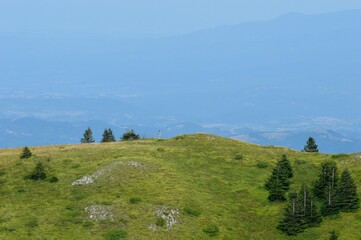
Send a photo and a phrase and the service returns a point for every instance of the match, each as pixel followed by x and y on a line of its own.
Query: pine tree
pixel 26 153
pixel 325 188
pixel 276 187
pixel 310 210
pixel 108 136
pixel 38 172
pixel 286 168
pixel 311 145
pixel 130 135
pixel 327 176
pixel 348 199
pixel 279 181
pixel 293 221
pixel 87 136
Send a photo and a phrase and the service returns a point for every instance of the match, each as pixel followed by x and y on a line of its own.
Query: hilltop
pixel 197 182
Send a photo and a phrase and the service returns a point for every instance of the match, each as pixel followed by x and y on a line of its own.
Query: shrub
pixel 135 200
pixel 115 234
pixel 26 153
pixel 238 157
pixel 38 173
pixel 53 179
pixel 88 224
pixel 32 223
pixel 338 156
pixel 300 162
pixel 192 212
pixel 212 230
pixel 160 222
pixel 262 165
pixel 180 137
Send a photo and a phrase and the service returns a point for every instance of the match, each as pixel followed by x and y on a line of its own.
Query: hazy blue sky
pixel 130 18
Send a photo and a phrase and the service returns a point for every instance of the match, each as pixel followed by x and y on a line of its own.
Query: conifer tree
pixel 348 199
pixel 279 181
pixel 310 210
pixel 130 135
pixel 311 145
pixel 293 221
pixel 325 188
pixel 327 176
pixel 38 173
pixel 286 168
pixel 87 136
pixel 108 136
pixel 26 153
pixel 277 187
pixel 300 213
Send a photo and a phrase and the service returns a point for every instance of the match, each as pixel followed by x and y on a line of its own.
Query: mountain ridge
pixel 305 71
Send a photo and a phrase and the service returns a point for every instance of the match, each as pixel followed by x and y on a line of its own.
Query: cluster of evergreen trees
pixel 108 136
pixel 334 193
pixel 300 213
pixel 328 196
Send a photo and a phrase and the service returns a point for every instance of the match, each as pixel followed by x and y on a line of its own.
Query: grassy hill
pixel 197 182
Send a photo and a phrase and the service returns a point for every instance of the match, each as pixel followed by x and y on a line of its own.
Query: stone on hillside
pixel 99 212
pixel 83 181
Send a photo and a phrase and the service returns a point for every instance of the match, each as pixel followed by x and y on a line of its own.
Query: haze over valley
pixel 272 82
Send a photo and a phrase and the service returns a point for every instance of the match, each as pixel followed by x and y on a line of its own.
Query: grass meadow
pixel 189 187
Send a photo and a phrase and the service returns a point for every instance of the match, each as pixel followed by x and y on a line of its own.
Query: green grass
pixel 214 184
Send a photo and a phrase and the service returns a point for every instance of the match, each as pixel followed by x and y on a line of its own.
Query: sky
pixel 147 18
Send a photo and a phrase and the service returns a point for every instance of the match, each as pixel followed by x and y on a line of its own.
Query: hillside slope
pixel 194 181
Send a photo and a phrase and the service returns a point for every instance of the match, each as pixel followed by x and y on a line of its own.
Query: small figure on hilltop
pixel 26 153
pixel 311 145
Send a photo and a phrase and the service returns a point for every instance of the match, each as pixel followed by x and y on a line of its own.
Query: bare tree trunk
pixel 304 200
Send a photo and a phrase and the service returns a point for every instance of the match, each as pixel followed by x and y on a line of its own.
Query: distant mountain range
pixel 35 132
pixel 260 75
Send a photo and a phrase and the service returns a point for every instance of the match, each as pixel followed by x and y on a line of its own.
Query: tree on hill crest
pixel 26 153
pixel 87 136
pixel 130 135
pixel 108 136
pixel 311 145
